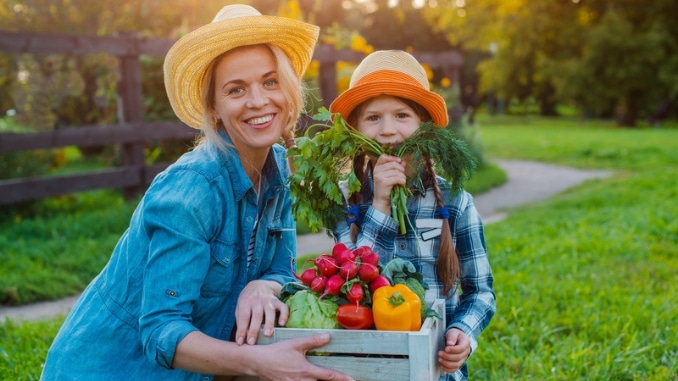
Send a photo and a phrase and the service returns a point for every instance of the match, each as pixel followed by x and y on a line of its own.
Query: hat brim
pixel 385 85
pixel 187 60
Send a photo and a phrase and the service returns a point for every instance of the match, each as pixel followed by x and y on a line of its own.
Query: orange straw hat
pixel 235 25
pixel 391 72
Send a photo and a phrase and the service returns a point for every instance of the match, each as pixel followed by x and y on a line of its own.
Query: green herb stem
pixel 320 164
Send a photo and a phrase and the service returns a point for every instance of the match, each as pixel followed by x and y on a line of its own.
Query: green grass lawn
pixel 585 281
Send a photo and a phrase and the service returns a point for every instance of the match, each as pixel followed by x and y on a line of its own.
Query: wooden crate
pixel 371 355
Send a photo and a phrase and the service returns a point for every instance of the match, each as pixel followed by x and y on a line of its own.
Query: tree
pixel 617 67
pixel 602 54
pixel 81 89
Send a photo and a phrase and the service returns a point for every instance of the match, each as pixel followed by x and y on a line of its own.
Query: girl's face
pixel 249 100
pixel 387 120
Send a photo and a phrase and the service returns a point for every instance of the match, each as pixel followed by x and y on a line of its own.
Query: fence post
pixel 328 56
pixel 131 110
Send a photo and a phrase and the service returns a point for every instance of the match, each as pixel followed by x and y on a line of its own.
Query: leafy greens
pixel 322 159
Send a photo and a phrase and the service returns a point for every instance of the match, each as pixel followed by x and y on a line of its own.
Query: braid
pixel 447 265
pixel 356 198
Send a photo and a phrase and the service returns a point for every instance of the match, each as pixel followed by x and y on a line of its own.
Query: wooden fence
pixel 132 133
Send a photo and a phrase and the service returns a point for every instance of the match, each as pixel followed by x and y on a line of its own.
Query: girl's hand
pixel 388 172
pixel 258 303
pixel 457 350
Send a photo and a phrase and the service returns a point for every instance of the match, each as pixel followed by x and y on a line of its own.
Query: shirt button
pixel 249 219
pixel 402 246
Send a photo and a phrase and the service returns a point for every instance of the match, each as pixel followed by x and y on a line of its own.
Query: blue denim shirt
pixel 472 305
pixel 179 267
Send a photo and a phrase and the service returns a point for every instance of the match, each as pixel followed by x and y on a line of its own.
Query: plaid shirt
pixel 471 306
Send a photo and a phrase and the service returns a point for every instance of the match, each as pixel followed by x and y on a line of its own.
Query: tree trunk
pixel 627 112
pixel 547 101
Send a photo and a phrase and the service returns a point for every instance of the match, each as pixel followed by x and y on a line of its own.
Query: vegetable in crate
pixel 339 285
pixel 396 308
pixel 355 317
pixel 402 271
pixel 307 310
pixel 322 159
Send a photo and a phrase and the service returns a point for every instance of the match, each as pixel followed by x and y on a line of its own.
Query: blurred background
pixel 593 58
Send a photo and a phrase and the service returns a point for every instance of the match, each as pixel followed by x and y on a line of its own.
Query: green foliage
pixel 57 254
pixel 23 347
pixel 26 163
pixel 607 56
pixel 590 78
pixel 593 144
pixel 7 66
pixel 595 303
pixel 584 282
pixel 315 181
pixel 325 159
pixel 57 90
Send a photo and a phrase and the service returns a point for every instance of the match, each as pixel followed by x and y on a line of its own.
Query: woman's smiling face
pixel 249 100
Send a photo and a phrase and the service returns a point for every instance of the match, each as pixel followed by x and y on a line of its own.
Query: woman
pixel 200 268
pixel 388 99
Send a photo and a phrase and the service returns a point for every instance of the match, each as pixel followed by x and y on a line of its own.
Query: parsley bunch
pixel 322 159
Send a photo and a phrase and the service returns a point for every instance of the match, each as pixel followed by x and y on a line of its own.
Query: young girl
pixel 387 100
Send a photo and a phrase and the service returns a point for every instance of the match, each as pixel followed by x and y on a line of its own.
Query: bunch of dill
pixel 322 159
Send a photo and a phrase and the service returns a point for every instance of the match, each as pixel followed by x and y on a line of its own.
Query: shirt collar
pixel 272 171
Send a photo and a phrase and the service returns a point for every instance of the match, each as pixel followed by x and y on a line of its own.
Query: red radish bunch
pixel 349 274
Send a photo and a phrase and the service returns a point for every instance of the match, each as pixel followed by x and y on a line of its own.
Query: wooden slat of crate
pixel 367 368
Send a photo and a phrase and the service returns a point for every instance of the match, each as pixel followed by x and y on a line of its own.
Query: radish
pixel 343 256
pixel 318 284
pixel 333 285
pixel 307 276
pixel 326 265
pixel 362 250
pixel 371 258
pixel 337 248
pixel 348 270
pixel 355 293
pixel 368 272
pixel 380 281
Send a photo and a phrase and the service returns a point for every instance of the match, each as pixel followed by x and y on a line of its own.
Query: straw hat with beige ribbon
pixel 391 72
pixel 235 25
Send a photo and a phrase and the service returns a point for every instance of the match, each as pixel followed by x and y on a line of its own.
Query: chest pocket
pixel 223 271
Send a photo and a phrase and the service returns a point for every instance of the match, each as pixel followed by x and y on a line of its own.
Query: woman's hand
pixel 457 349
pixel 388 172
pixel 258 304
pixel 286 360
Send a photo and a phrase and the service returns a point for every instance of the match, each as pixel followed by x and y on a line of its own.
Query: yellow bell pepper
pixel 396 308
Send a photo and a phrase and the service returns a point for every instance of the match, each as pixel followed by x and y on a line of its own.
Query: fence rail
pixel 132 133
